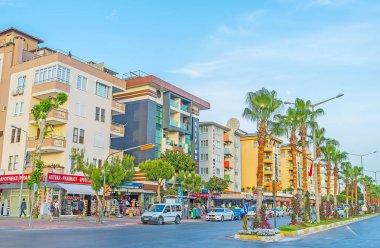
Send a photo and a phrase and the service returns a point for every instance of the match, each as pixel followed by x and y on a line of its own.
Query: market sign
pixel 67 178
pixel 131 185
pixel 204 195
pixel 13 178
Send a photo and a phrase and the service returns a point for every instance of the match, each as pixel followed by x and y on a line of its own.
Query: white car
pixel 251 212
pixel 220 214
pixel 161 213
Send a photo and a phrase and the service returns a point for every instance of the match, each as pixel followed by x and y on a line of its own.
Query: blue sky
pixel 219 50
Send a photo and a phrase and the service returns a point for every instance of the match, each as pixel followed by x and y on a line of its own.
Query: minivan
pixel 161 213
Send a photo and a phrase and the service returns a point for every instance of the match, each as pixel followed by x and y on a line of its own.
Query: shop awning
pixel 78 189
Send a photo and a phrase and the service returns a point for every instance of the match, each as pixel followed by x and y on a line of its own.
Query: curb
pixel 324 227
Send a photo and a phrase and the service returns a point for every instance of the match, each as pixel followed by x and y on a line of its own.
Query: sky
pixel 220 50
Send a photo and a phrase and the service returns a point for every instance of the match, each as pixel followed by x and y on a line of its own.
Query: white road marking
pixel 349 228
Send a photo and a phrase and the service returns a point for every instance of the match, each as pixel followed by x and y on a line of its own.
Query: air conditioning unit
pixel 14 92
pixel 20 91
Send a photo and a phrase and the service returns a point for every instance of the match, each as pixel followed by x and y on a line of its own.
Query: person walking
pixel 57 209
pixel 51 210
pixel 23 208
pixel 81 208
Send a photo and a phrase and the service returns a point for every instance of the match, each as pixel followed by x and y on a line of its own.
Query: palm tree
pixel 357 171
pixel 328 150
pixel 320 140
pixel 337 158
pixel 346 172
pixel 261 107
pixel 287 125
pixel 366 181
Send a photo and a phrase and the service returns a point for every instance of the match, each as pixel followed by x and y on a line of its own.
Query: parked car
pixel 162 213
pixel 251 212
pixel 220 214
pixel 290 211
pixel 238 213
pixel 279 212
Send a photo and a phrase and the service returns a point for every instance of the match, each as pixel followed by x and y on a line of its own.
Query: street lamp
pixel 23 167
pixel 361 156
pixel 315 155
pixel 375 172
pixel 141 147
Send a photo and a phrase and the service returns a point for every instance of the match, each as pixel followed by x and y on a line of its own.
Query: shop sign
pixel 67 178
pixel 204 195
pixel 132 186
pixel 14 178
pixel 72 198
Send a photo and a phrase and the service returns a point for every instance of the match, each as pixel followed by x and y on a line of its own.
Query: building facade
pixel 212 150
pixel 158 112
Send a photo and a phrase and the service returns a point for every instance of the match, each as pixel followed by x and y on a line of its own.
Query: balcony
pixel 49 89
pixel 227 152
pixel 117 108
pixel 268 171
pixel 268 159
pixel 226 164
pixel 55 117
pixel 51 144
pixel 184 126
pixel 117 130
pixel 174 104
pixel 185 108
pixel 173 123
pixel 227 139
pixel 268 149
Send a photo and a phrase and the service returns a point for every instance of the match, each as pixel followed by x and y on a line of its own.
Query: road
pixel 201 234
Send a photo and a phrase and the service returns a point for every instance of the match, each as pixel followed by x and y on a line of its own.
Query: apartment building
pixel 160 113
pixel 249 158
pixel 30 74
pixel 212 150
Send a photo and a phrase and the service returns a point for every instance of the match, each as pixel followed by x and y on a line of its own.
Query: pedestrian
pixel 57 209
pixel 51 210
pixel 81 208
pixel 23 208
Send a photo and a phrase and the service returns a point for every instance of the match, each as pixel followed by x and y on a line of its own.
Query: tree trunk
pixel 159 182
pixel 293 150
pixel 336 172
pixel 41 137
pixel 352 192
pixel 303 132
pixel 319 178
pixel 99 207
pixel 346 190
pixel 328 169
pixel 356 192
pixel 261 138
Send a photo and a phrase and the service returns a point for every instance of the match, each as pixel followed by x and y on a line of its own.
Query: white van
pixel 161 213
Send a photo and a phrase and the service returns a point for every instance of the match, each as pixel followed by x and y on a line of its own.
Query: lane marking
pixel 349 228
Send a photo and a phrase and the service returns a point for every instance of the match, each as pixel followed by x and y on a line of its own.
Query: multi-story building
pixel 249 155
pixel 30 74
pixel 232 155
pixel 212 150
pixel 287 171
pixel 158 112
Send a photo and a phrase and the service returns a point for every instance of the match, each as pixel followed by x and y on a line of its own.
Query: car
pixel 279 212
pixel 251 212
pixel 162 213
pixel 220 214
pixel 238 213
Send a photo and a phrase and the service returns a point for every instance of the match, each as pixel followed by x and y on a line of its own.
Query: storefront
pixel 230 200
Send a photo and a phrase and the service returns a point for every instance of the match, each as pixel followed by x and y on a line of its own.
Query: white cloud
pixel 328 2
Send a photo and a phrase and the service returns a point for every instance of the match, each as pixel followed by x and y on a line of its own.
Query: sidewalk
pixel 88 222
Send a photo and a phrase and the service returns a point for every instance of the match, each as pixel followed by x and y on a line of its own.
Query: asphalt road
pixel 202 234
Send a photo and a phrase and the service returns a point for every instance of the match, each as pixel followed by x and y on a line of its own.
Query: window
pixel 81 136
pixel 102 90
pixel 21 82
pixel 48 74
pixel 75 135
pixel 167 209
pixel 218 144
pixel 218 158
pixel 204 129
pixel 97 162
pixel 15 163
pixel 16 134
pixel 204 156
pixel 82 83
pixel 19 108
pixel 10 163
pixel 100 114
pixel 218 171
pixel 99 140
pixel 204 171
pixel 204 143
pixel 79 109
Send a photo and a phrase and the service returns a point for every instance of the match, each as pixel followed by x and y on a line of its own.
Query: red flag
pixel 311 170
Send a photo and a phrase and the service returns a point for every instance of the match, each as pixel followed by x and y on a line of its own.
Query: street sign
pixel 245 208
pixel 35 187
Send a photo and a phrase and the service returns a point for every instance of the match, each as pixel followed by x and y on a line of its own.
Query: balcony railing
pixel 173 123
pixel 56 116
pixel 49 89
pixel 227 152
pixel 173 103
pixel 227 138
pixel 118 107
pixel 117 130
pixel 185 108
pixel 50 144
pixel 184 126
pixel 268 157
pixel 226 164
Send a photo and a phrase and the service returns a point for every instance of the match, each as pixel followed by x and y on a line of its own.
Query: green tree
pixel 119 170
pixel 190 181
pixel 215 185
pixel 328 151
pixel 157 170
pixel 346 172
pixel 180 161
pixel 262 105
pixel 337 158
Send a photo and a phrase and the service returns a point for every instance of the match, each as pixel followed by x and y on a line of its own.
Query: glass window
pixel 99 140
pixel 21 108
pixel 79 109
pixel 97 113
pixel 173 208
pixel 81 136
pixel 167 209
pixel 75 135
pixel 102 90
pixel 16 109
pixel 82 83
pixel 15 163
pixel 21 82
pixel 102 115
pixel 10 163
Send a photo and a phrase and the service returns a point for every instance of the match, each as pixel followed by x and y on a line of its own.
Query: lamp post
pixel 141 147
pixel 361 164
pixel 375 172
pixel 315 155
pixel 23 168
